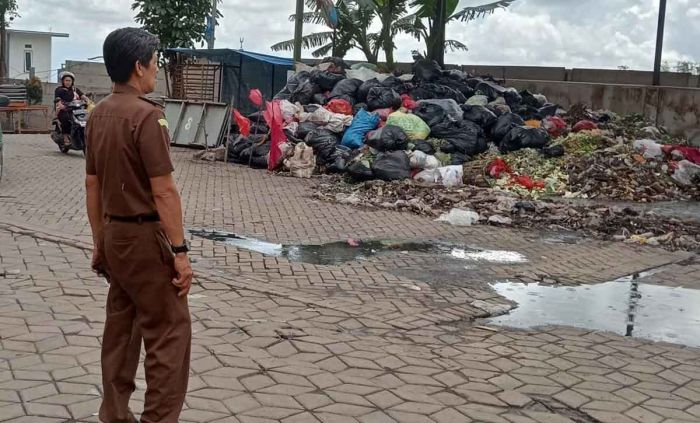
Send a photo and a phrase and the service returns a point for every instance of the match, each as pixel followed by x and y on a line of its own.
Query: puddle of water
pixel 492 256
pixel 335 253
pixel 623 306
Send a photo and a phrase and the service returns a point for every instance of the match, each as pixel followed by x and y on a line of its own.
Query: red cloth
pixel 585 125
pixel 692 154
pixel 242 122
pixel 274 119
pixel 256 97
pixel 555 125
pixel 527 182
pixel 498 167
pixel 408 102
pixel 338 105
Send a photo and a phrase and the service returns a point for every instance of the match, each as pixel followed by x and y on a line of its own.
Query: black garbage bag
pixel 259 128
pixel 339 159
pixel 490 90
pixel 388 138
pixel 357 107
pixel 425 147
pixel 300 88
pixel 425 70
pixel 428 91
pixel 304 129
pixel 359 172
pixel 383 98
pixel 326 80
pixel 480 115
pixel 392 166
pixel 319 99
pixel 347 90
pixel 464 137
pixel 557 150
pixel 337 61
pixel 237 146
pixel 363 91
pixel 458 158
pixel 457 84
pixel 323 142
pixel 528 99
pixel 397 85
pixel 527 112
pixel 512 97
pixel 455 75
pixel 254 155
pixel 259 162
pixel 525 137
pixel 434 112
pixel 473 82
pixel 504 124
pixel 548 110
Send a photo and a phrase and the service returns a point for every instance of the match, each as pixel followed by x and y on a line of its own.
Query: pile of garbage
pixel 470 205
pixel 449 128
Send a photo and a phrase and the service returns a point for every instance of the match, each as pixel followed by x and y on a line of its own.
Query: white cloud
pixel 569 33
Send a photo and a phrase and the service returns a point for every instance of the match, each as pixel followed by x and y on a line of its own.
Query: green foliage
pixel 178 23
pixel 8 10
pixel 35 92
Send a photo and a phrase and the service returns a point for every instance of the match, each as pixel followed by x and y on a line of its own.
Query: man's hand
pixel 98 262
pixel 183 268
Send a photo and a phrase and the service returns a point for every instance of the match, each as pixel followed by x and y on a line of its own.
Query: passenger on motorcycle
pixel 65 94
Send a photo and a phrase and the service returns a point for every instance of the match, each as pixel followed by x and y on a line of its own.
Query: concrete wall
pixel 605 76
pixel 93 77
pixel 677 109
pixel 40 50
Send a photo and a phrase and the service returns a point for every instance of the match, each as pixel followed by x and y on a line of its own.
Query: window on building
pixel 27 46
pixel 28 62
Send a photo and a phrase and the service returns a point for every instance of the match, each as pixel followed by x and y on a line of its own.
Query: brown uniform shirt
pixel 127 143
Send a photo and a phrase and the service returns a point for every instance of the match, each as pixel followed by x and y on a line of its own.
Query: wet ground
pixel 335 253
pixel 625 306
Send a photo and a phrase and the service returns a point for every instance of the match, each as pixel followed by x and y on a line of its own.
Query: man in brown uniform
pixel 136 218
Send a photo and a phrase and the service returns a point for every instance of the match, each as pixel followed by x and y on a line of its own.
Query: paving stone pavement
pixel 363 341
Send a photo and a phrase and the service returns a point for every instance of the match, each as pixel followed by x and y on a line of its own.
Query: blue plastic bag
pixel 363 123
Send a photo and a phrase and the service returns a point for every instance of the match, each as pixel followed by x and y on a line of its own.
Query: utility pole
pixel 212 25
pixel 298 30
pixel 659 42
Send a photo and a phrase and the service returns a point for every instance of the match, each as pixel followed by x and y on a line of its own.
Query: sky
pixel 565 33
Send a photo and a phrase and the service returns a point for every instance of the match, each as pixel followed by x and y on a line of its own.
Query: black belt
pixel 135 219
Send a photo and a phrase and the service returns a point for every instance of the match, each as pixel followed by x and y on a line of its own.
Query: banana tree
pixel 351 31
pixel 432 16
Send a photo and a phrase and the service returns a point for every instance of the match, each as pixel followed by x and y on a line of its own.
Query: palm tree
pixel 433 33
pixel 352 31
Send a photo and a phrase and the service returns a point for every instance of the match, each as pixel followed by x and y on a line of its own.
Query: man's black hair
pixel 126 46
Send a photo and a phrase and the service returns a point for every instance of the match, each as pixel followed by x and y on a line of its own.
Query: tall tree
pixel 352 32
pixel 429 27
pixel 178 23
pixel 8 12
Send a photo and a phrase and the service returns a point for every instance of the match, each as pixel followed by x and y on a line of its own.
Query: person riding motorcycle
pixel 66 93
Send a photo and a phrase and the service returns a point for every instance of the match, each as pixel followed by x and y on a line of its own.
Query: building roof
pixel 49 34
pixel 223 52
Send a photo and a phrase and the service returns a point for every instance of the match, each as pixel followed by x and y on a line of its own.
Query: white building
pixel 29 49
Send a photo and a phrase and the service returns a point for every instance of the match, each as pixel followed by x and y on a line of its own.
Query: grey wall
pixel 677 109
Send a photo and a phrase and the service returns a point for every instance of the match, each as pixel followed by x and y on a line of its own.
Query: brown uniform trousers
pixel 143 304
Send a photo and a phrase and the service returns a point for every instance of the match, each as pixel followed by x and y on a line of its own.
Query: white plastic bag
pixel 290 111
pixel 459 217
pixel 650 149
pixel 365 74
pixel 688 173
pixel 451 176
pixel 326 119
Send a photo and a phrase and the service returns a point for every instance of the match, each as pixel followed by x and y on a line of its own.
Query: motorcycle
pixel 78 118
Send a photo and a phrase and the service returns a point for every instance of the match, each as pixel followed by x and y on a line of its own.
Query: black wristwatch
pixel 177 249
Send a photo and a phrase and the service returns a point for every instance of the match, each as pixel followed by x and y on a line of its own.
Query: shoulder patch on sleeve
pixel 163 123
